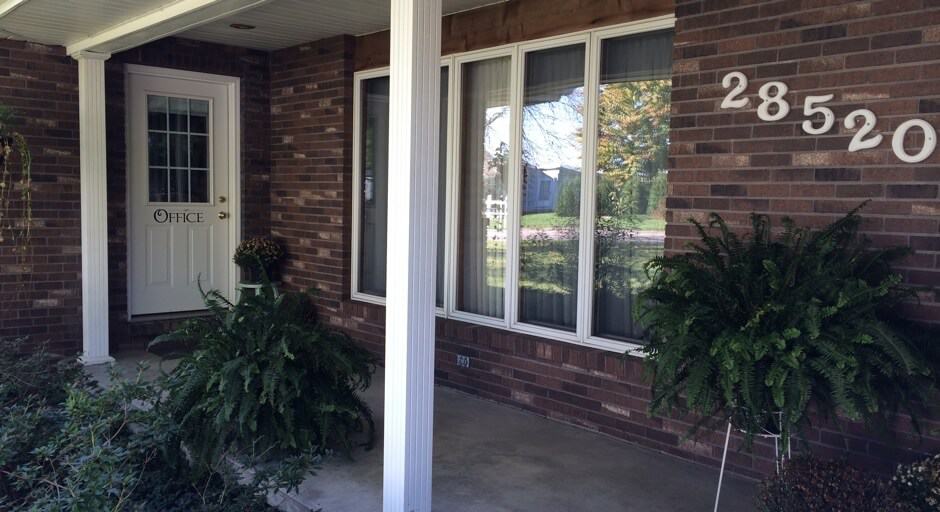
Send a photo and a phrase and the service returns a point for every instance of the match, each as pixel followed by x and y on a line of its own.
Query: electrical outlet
pixel 463 361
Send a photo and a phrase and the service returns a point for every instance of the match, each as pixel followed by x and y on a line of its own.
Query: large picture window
pixel 372 187
pixel 632 148
pixel 552 182
pixel 552 151
pixel 484 164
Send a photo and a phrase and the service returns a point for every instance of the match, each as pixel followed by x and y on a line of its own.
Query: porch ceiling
pixel 279 23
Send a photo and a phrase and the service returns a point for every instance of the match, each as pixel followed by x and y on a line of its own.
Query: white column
pixel 414 117
pixel 94 204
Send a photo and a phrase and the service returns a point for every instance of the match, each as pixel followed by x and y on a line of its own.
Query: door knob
pixel 223 215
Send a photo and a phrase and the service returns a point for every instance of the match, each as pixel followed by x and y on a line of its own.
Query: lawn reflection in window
pixel 632 148
pixel 552 149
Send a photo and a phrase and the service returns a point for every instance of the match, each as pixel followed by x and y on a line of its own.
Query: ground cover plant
pixel 68 444
pixel 807 484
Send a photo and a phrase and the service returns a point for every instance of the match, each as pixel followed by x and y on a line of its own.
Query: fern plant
pixel 762 327
pixel 265 375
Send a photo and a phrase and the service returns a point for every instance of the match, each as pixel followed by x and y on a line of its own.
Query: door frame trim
pixel 233 87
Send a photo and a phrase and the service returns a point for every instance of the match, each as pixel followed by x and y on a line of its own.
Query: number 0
pixel 930 141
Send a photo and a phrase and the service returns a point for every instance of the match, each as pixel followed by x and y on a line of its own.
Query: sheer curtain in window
pixel 374 187
pixel 482 169
pixel 552 123
pixel 632 148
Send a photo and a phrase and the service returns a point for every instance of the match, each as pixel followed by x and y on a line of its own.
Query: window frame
pixel 593 40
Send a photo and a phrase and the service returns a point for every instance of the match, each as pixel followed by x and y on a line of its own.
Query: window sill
pixel 620 347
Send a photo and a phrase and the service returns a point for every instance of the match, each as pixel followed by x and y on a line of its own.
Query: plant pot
pixel 253 274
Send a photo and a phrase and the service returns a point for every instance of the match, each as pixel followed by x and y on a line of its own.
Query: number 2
pixel 858 141
pixel 730 101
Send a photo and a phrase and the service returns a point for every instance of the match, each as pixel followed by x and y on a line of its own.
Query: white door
pixel 182 197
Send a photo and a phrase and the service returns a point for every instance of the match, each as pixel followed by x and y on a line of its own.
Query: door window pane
pixel 198 186
pixel 159 185
pixel 179 114
pixel 198 116
pixel 198 151
pixel 179 186
pixel 179 152
pixel 178 142
pixel 157 150
pixel 552 122
pixel 633 144
pixel 156 112
pixel 482 168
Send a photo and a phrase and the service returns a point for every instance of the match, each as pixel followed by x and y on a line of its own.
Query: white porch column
pixel 414 117
pixel 94 204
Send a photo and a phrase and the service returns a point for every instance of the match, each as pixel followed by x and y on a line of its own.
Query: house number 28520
pixel 773 94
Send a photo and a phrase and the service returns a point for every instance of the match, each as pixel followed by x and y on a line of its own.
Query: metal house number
pixel 773 94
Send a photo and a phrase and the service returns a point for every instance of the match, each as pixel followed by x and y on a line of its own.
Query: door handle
pixel 223 215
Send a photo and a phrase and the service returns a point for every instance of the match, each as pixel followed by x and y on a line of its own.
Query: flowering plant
pixel 918 485
pixel 258 254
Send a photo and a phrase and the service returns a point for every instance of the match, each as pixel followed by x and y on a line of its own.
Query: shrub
pixel 917 486
pixel 66 444
pixel 755 325
pixel 264 374
pixel 810 485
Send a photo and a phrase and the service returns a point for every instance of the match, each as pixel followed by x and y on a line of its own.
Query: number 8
pixel 783 108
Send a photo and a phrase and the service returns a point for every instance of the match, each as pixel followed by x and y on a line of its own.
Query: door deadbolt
pixel 221 199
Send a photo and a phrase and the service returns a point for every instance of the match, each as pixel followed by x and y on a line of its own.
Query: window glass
pixel 374 187
pixel 482 168
pixel 632 148
pixel 552 123
pixel 178 149
pixel 442 191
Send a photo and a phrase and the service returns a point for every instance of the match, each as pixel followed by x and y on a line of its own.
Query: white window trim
pixel 592 39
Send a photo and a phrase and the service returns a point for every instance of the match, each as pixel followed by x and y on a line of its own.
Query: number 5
pixel 829 118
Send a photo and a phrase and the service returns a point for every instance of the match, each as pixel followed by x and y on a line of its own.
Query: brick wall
pixel 44 302
pixel 252 68
pixel 879 55
pixel 311 155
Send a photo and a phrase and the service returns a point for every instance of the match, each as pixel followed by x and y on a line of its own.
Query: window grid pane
pixel 174 152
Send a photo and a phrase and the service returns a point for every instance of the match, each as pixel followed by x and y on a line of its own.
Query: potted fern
pixel 762 328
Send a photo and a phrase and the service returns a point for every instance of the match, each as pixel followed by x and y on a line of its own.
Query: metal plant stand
pixel 779 456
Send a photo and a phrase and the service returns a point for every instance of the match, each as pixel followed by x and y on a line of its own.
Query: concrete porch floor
pixel 490 457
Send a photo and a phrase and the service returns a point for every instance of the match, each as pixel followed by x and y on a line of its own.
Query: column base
pixel 95 360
